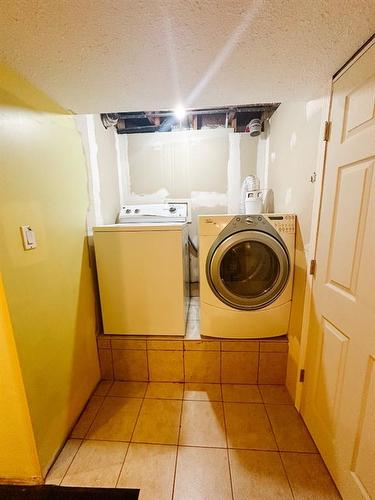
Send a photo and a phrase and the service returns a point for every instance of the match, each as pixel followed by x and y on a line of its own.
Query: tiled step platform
pixel 171 359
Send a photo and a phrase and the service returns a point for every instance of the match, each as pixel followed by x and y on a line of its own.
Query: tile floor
pixel 193 359
pixel 194 441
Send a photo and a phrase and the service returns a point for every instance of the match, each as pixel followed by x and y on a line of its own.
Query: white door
pixel 338 401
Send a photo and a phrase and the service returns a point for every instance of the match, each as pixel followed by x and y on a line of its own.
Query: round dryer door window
pixel 248 270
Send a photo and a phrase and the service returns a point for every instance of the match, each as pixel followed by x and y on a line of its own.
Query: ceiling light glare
pixel 179 112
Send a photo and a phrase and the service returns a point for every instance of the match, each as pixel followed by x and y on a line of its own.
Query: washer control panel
pixel 283 223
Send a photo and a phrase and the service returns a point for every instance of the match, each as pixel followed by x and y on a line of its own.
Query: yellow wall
pixel 16 91
pixel 49 289
pixel 18 455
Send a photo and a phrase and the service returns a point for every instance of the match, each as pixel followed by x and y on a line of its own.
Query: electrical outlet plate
pixel 28 237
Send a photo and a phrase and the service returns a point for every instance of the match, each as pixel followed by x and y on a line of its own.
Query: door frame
pixel 315 219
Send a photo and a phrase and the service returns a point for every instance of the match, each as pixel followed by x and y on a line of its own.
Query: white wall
pixel 294 142
pixel 100 150
pixel 206 166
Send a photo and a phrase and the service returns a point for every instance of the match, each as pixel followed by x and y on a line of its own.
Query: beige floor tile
pixel 128 389
pixel 202 424
pixel 272 367
pixel 202 366
pixel 248 426
pixel 97 463
pixel 104 342
pixel 59 468
pixel 239 345
pixel 165 390
pixel 165 345
pixel 202 474
pixel 274 346
pixel 201 345
pixel 116 419
pixel 258 475
pixel 166 366
pixel 149 467
pixel 128 344
pixel 237 393
pixel 275 394
pixel 130 365
pixel 105 362
pixel 309 477
pixel 195 391
pixel 103 388
pixel 158 422
pixel 86 419
pixel 239 367
pixel 290 431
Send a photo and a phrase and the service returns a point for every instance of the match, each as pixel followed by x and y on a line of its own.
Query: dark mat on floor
pixel 48 492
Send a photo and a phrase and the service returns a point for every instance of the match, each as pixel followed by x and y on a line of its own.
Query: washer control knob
pixel 136 211
pixel 172 209
pixel 128 211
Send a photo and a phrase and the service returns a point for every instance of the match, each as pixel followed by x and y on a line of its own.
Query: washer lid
pixel 248 269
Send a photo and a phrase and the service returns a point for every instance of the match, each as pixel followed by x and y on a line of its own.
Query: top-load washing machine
pixel 143 269
pixel 246 274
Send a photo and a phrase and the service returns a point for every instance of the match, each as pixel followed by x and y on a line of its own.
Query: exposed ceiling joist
pixel 236 117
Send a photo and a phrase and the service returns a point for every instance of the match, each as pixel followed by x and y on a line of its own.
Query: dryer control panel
pixel 283 223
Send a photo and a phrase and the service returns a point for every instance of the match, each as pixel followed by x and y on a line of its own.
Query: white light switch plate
pixel 28 237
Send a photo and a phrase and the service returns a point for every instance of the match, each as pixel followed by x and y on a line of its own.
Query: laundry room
pixel 209 165
pixel 186 244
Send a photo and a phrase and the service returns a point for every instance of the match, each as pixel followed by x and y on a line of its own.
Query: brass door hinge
pixel 302 375
pixel 312 267
pixel 327 131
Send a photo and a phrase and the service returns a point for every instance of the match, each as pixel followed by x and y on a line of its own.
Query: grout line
pixel 272 430
pixel 200 446
pixel 221 368
pixel 183 365
pixel 70 463
pixel 96 414
pixel 286 474
pixel 130 440
pixel 258 366
pixel 177 448
pixel 278 449
pixel 148 365
pixel 226 440
pixel 112 363
pixel 85 434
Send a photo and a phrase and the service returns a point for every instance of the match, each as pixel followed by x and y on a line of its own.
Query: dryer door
pixel 248 270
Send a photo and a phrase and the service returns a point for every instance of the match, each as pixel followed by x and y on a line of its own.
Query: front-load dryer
pixel 246 274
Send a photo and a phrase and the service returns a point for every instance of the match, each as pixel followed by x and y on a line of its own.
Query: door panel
pixel 364 451
pixel 338 401
pixel 359 109
pixel 329 370
pixel 350 210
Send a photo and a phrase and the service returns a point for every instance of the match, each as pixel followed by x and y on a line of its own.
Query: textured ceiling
pixel 126 55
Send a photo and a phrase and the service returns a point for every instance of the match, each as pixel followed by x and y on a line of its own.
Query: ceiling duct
pixel 234 117
pixel 109 119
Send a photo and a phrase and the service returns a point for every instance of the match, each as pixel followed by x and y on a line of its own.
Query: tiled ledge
pixel 167 359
